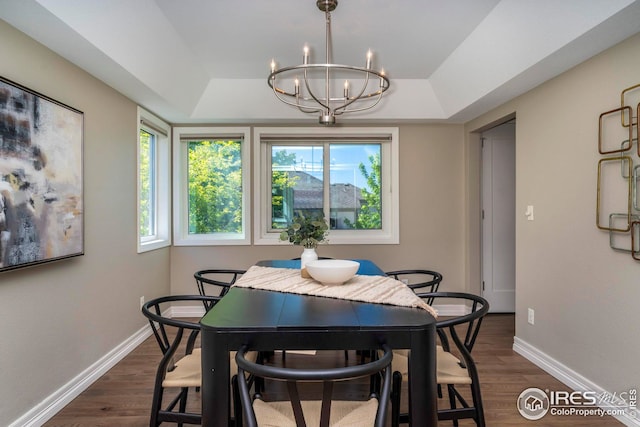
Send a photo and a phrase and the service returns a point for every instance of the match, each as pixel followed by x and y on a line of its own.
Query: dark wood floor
pixel 121 398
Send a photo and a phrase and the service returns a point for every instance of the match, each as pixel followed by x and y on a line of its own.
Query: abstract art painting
pixel 41 181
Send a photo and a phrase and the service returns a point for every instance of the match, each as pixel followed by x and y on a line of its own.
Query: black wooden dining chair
pixel 220 280
pixel 180 366
pixel 175 371
pixel 318 405
pixel 455 366
pixel 418 280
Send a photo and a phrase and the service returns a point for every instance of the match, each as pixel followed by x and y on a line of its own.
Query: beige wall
pixel 431 218
pixel 60 318
pixel 585 295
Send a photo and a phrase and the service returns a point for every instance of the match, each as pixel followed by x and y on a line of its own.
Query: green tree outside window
pixel 146 184
pixel 370 214
pixel 215 186
pixel 282 184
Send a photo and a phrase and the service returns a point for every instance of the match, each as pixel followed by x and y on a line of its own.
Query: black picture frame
pixel 41 178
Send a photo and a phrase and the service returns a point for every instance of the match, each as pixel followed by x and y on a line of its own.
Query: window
pixel 154 178
pixel 211 174
pixel 349 174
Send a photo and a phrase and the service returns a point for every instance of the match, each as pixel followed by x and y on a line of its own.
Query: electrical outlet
pixel 531 316
pixel 141 301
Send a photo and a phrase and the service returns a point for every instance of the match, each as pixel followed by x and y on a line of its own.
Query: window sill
pixel 153 245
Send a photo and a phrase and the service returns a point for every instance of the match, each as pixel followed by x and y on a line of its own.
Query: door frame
pixel 500 303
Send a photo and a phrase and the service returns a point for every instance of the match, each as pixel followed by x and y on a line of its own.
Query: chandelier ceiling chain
pixel 314 95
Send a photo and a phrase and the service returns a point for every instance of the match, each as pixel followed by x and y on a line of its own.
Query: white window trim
pixel 162 238
pixel 180 200
pixel 390 233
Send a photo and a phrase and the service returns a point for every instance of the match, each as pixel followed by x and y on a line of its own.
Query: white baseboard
pixel 567 376
pixel 196 311
pixel 50 406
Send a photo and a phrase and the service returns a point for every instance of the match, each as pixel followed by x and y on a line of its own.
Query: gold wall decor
pixel 620 241
pixel 629 161
pixel 628 122
pixel 635 232
pixel 626 144
pixel 617 192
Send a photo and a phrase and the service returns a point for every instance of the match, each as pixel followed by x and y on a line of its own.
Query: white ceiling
pixel 195 61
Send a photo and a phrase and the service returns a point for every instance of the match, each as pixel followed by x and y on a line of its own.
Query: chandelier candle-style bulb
pixel 316 85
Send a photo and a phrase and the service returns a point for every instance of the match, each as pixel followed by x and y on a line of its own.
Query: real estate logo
pixel 533 403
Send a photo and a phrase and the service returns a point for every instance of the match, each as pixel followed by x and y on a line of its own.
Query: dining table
pixel 267 320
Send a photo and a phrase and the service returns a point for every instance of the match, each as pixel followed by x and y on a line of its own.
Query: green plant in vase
pixel 306 231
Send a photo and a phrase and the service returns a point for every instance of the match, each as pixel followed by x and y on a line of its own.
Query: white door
pixel 498 225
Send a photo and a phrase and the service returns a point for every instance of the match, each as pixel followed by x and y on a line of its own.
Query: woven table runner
pixel 363 288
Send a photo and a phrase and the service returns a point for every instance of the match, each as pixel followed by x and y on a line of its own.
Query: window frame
pixel 161 130
pixel 390 232
pixel 181 192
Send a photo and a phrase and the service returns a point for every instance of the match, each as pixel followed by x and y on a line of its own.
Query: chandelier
pixel 311 85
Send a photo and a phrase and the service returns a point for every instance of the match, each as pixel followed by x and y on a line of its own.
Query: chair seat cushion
pixel 449 370
pixel 188 371
pixel 343 413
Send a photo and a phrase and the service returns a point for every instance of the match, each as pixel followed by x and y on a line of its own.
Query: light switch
pixel 529 213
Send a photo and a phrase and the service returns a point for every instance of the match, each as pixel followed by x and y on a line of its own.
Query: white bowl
pixel 332 271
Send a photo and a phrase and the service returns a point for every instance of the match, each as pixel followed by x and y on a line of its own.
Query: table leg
pixel 423 391
pixel 215 381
